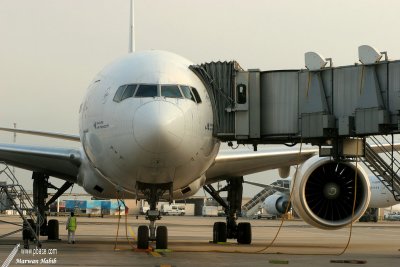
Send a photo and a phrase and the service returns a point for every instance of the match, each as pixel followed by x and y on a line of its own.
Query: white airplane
pixel 146 132
pixel 276 204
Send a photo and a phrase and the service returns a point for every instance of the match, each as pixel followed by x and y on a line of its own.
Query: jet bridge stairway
pixel 14 193
pixel 383 165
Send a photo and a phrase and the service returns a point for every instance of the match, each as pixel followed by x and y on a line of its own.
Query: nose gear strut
pixel 153 194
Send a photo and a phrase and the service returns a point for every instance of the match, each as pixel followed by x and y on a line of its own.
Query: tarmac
pixel 297 244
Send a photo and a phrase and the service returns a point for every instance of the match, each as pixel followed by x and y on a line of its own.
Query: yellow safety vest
pixel 72 224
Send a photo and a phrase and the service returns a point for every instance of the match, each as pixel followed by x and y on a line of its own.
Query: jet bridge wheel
pixel 244 233
pixel 143 237
pixel 162 237
pixel 219 232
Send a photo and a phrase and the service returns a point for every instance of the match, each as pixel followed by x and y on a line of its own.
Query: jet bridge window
pixel 196 95
pixel 146 90
pixel 187 92
pixel 171 91
pixel 241 94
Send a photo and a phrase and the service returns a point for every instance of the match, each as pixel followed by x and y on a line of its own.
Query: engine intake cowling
pixel 324 193
pixel 276 204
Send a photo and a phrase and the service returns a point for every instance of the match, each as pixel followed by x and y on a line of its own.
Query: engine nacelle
pixel 324 193
pixel 276 204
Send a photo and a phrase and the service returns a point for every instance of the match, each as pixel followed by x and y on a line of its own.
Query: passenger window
pixel 129 91
pixel 187 92
pixel 196 95
pixel 171 91
pixel 118 94
pixel 146 90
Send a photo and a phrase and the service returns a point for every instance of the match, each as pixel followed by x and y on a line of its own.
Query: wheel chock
pixel 349 261
pixel 279 261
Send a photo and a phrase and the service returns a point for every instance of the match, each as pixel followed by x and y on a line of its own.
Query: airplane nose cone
pixel 158 126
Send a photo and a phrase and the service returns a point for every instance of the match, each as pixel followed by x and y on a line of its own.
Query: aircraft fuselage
pixel 147 118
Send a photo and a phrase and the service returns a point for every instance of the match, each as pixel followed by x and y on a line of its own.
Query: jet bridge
pixel 335 108
pixel 323 105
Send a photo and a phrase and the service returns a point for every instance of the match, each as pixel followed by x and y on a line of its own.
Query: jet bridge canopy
pixel 313 106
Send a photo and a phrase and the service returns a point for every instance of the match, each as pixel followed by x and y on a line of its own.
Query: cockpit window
pixel 118 94
pixel 129 91
pixel 151 90
pixel 146 90
pixel 187 92
pixel 171 91
pixel 196 95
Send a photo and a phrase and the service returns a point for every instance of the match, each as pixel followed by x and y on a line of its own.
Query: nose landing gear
pixel 159 234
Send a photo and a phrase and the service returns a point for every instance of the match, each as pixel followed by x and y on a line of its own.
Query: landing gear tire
pixel 26 233
pixel 244 233
pixel 219 232
pixel 53 230
pixel 162 237
pixel 143 237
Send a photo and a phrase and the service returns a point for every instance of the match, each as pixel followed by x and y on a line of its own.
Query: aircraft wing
pixel 238 163
pixel 62 163
pixel 69 137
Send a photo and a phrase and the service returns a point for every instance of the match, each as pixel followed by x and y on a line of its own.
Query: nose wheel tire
pixel 162 237
pixel 219 232
pixel 143 237
pixel 244 233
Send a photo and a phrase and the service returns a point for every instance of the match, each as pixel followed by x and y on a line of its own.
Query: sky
pixel 51 50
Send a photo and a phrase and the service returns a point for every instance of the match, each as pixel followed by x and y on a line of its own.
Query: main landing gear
pixel 153 193
pixel 230 229
pixel 40 187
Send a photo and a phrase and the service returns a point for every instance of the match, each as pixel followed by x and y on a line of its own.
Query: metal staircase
pixel 12 192
pixel 383 164
pixel 248 208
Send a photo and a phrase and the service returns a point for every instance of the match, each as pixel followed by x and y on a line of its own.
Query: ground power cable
pixel 287 207
pixel 354 203
pixel 119 220
pixel 121 199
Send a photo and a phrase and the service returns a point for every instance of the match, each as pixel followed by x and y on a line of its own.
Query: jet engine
pixel 276 204
pixel 324 192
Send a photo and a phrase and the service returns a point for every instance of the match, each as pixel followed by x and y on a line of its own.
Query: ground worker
pixel 71 227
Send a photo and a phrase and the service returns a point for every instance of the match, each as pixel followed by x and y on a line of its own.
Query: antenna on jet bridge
pixel 131 28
